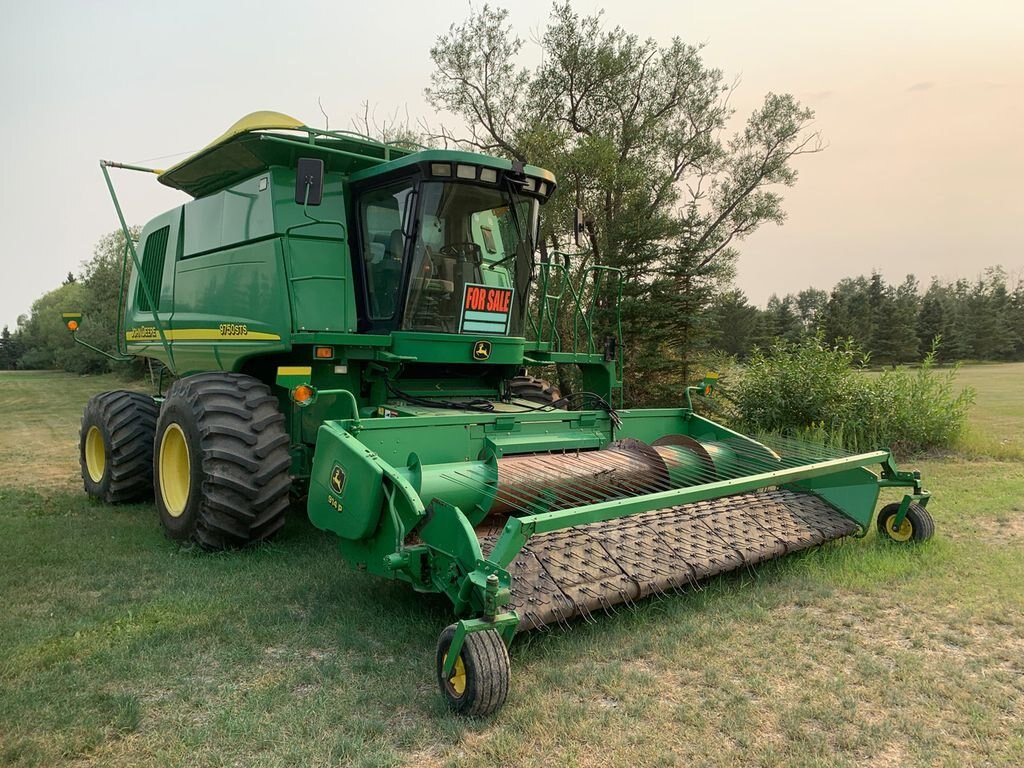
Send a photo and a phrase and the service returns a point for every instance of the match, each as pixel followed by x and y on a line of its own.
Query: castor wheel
pixel 917 526
pixel 478 683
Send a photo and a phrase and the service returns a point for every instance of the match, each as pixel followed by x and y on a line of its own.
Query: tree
pixel 636 134
pixel 894 335
pixel 735 323
pixel 934 321
pixel 10 349
pixel 1016 317
pixel 46 343
pixel 810 306
pixel 69 279
pixel 780 319
pixel 988 306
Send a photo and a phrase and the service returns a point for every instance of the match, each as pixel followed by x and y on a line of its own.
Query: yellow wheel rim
pixel 457 679
pixel 95 454
pixel 903 533
pixel 175 470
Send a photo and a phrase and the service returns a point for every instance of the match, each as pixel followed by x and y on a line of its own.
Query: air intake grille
pixel 152 268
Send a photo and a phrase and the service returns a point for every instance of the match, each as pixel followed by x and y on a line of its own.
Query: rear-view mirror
pixel 309 181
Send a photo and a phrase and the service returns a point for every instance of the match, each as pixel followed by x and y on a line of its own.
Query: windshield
pixel 472 260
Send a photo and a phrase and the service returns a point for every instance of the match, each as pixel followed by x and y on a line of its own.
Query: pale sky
pixel 921 103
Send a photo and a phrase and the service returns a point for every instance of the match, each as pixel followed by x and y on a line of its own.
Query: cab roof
pixel 264 139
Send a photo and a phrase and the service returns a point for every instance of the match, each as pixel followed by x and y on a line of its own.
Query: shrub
pixel 810 386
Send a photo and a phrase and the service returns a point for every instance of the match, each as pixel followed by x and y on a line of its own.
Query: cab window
pixel 383 247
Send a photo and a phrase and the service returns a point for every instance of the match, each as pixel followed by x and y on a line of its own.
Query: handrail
pixel 554 285
pixel 130 248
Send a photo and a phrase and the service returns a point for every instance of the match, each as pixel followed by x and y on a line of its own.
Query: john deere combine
pixel 349 321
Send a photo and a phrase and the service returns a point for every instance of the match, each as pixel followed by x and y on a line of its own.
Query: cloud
pixel 819 95
pixel 922 86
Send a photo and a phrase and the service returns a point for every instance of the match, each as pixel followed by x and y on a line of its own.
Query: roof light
pixel 465 171
pixel 531 184
pixel 440 169
pixel 489 175
pixel 543 187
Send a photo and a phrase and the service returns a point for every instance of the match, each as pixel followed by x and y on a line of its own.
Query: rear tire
pixel 221 461
pixel 478 685
pixel 534 390
pixel 917 526
pixel 115 447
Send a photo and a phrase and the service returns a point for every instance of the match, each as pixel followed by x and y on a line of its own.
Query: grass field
pixel 117 647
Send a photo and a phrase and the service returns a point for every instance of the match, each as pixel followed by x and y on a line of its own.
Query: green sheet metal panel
pixel 320 284
pixel 228 306
pixel 236 215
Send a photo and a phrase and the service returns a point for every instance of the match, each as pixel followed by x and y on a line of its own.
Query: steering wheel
pixel 465 251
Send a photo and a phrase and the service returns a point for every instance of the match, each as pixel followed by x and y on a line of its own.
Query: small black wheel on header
pixel 478 683
pixel 917 526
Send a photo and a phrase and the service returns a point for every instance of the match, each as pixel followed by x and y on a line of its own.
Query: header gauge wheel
pixel 917 526
pixel 478 683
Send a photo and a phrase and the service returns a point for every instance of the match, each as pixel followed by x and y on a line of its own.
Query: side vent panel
pixel 152 268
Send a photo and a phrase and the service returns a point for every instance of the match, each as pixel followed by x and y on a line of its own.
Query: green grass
pixel 997 420
pixel 117 647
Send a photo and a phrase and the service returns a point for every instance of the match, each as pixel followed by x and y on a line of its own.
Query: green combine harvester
pixel 351 321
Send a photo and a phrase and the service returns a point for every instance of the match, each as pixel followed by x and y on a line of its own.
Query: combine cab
pixel 349 321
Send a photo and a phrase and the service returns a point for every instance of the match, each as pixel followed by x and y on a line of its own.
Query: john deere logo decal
pixel 337 479
pixel 481 350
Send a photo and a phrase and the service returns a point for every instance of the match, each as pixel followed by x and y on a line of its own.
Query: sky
pixel 921 105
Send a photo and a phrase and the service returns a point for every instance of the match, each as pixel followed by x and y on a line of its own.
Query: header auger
pixel 351 321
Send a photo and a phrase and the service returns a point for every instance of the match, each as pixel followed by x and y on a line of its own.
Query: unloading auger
pixel 351 321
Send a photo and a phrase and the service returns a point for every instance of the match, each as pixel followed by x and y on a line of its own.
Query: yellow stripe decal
pixel 148 333
pixel 294 370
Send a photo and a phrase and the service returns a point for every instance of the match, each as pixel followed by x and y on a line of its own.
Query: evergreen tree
pixel 1016 319
pixel 848 312
pixel 781 320
pixel 935 319
pixel 735 323
pixel 7 359
pixel 895 323
pixel 988 307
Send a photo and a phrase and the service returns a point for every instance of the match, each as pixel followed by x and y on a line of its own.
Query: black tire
pixel 534 390
pixel 922 526
pixel 237 492
pixel 485 666
pixel 115 446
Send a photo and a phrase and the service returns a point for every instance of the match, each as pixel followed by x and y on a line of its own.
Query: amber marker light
pixel 72 325
pixel 303 394
pixel 323 353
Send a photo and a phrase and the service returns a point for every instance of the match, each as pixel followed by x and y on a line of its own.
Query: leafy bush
pixel 810 386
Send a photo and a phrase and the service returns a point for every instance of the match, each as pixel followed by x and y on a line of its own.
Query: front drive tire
pixel 115 447
pixel 534 390
pixel 221 461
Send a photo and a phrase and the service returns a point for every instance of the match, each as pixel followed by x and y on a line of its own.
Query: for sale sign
pixel 486 309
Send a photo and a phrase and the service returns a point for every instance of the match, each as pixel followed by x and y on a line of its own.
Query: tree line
pixel 40 341
pixel 979 320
